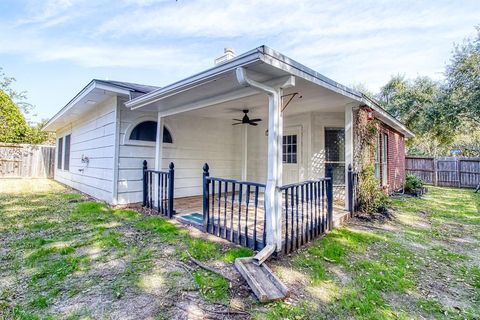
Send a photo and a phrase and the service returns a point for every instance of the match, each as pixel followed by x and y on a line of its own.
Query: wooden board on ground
pixel 263 282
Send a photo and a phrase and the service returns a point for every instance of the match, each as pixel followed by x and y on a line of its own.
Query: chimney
pixel 229 53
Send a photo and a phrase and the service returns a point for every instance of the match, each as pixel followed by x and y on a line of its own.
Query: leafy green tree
pixel 463 81
pixel 13 126
pixel 18 97
pixel 418 103
pixel 35 134
pixel 412 101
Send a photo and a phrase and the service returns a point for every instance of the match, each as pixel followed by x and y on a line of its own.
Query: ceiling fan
pixel 246 120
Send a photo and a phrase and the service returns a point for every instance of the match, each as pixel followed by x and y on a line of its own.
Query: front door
pixel 292 154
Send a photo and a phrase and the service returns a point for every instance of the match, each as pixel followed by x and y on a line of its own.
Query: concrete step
pixel 266 285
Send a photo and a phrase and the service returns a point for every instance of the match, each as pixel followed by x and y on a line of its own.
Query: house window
pixel 59 153
pixel 66 157
pixel 147 131
pixel 384 159
pixel 290 149
pixel 335 153
pixel 377 152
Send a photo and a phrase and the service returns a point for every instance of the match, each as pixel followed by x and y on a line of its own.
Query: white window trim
pixel 126 138
pixel 62 136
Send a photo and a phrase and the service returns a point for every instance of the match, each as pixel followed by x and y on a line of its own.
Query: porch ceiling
pixel 314 98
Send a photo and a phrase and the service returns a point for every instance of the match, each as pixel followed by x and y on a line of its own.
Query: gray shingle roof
pixel 141 88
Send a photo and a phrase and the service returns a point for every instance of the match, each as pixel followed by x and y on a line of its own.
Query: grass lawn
pixel 65 256
pixel 423 263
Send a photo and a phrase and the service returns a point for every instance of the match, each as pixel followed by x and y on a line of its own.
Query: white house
pixel 305 121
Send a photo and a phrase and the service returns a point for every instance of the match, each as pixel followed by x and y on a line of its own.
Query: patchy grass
pixel 214 288
pixel 422 264
pixel 65 256
pixel 231 254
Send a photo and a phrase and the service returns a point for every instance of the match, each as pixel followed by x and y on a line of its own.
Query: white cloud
pixel 350 41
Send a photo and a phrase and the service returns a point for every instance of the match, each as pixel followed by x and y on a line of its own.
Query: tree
pixel 463 81
pixel 412 101
pixel 418 104
pixel 19 98
pixel 35 134
pixel 13 126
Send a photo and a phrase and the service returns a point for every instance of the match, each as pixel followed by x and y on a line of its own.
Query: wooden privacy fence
pixel 26 161
pixel 445 171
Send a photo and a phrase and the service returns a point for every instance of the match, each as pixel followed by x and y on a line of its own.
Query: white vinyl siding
pixel 91 137
pixel 195 141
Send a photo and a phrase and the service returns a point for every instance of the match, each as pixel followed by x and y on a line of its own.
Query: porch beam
pixel 223 97
pixel 210 101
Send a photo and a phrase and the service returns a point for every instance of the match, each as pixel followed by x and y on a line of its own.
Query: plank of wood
pixel 264 283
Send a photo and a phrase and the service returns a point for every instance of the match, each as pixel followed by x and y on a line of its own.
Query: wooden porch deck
pixel 231 225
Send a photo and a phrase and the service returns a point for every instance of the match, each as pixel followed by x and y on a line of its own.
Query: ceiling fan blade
pixel 255 120
pixel 234 124
pixel 253 124
pixel 237 119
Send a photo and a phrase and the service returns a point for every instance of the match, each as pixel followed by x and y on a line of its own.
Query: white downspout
pixel 273 195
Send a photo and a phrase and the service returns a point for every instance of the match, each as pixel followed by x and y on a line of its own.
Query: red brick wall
pixel 396 158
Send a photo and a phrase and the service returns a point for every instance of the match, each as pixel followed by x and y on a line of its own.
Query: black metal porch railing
pixel 352 183
pixel 307 211
pixel 158 189
pixel 234 210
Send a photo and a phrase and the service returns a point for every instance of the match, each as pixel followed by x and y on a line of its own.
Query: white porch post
pixel 348 147
pixel 273 194
pixel 279 157
pixel 245 153
pixel 158 145
pixel 158 152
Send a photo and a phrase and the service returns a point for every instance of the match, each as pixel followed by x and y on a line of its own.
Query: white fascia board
pixel 195 80
pixel 92 85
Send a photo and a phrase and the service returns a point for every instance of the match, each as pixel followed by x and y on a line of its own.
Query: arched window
pixel 147 131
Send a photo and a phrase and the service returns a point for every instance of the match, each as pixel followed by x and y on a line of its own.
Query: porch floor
pixel 237 228
pixel 193 204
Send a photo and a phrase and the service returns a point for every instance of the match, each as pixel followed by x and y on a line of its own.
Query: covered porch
pixel 273 165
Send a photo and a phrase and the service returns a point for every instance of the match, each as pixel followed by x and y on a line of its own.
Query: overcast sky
pixel 55 47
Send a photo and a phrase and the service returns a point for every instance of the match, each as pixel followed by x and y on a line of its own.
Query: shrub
pixel 412 182
pixel 370 196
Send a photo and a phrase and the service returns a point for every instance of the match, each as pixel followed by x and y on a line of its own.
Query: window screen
pixel 66 158
pixel 377 157
pixel 335 153
pixel 290 149
pixel 59 153
pixel 147 131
